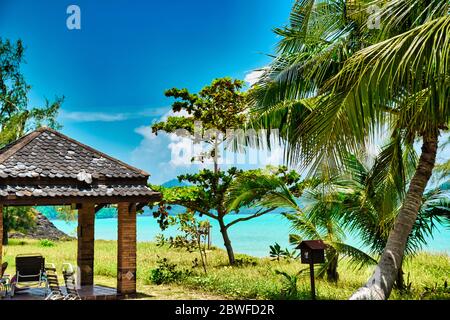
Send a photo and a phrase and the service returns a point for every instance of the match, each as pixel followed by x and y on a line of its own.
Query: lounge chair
pixel 69 280
pixel 30 270
pixel 53 283
pixel 5 281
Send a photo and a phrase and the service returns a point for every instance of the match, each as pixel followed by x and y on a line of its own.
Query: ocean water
pixel 250 237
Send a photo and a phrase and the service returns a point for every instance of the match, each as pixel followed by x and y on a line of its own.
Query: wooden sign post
pixel 312 252
pixel 313 284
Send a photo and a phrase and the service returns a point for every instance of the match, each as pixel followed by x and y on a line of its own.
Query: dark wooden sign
pixel 312 252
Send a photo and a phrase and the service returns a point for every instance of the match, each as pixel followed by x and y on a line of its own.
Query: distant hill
pixel 174 183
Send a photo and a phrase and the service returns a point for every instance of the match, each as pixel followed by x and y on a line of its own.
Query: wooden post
pixel 1 234
pixel 85 258
pixel 209 236
pixel 126 249
pixel 313 284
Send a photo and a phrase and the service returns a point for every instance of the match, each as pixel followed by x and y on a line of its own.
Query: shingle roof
pixel 114 190
pixel 47 164
pixel 48 153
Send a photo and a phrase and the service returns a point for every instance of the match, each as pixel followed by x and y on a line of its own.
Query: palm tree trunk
pixel 332 273
pixel 380 285
pixel 400 281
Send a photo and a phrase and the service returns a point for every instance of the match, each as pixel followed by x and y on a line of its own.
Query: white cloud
pixel 166 156
pixel 83 116
pixel 93 116
pixel 254 76
pixel 163 155
pixel 180 148
pixel 146 132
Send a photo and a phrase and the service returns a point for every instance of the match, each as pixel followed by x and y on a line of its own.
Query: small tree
pixel 195 234
pixel 219 107
pixel 208 195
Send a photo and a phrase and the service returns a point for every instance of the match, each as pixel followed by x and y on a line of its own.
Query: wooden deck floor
pixel 86 293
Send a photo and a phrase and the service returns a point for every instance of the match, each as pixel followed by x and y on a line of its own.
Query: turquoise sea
pixel 251 237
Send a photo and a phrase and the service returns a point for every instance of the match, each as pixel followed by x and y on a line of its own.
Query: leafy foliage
pixel 323 91
pixel 335 86
pixel 194 237
pixel 276 253
pixel 289 290
pixel 46 243
pixel 319 220
pixel 205 195
pixel 442 291
pixel 218 106
pixel 17 218
pixel 209 194
pixel 166 272
pixel 372 203
pixel 16 116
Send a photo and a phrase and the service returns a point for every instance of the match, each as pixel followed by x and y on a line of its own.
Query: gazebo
pixel 46 167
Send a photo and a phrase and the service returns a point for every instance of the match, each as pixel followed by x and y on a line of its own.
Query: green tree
pixel 194 235
pixel 320 219
pixel 18 219
pixel 17 118
pixel 372 202
pixel 207 195
pixel 362 201
pixel 339 85
pixel 218 107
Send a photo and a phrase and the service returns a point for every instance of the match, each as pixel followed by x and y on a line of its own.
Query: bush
pixel 46 243
pixel 245 261
pixel 166 272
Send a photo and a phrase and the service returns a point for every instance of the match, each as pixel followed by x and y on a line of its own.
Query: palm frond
pixel 260 190
pixel 305 228
pixel 358 258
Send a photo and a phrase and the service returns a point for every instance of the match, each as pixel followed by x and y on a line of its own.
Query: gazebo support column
pixel 126 249
pixel 1 234
pixel 85 259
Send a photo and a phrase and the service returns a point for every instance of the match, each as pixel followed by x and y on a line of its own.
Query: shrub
pixel 289 290
pixel 46 243
pixel 436 291
pixel 166 272
pixel 245 261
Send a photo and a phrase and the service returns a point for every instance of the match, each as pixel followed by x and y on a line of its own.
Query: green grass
pixel 256 279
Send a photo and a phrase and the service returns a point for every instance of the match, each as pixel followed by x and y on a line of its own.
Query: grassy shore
pixel 255 278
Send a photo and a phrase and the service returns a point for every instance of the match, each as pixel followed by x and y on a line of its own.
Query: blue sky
pixel 113 71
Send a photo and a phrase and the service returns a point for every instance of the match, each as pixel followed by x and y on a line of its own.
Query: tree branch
pixel 196 208
pixel 258 214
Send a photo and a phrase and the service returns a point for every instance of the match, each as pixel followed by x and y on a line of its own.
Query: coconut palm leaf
pixel 260 190
pixel 358 258
pixel 398 16
pixel 304 227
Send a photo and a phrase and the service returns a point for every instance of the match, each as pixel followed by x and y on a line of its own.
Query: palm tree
pixel 372 203
pixel 320 219
pixel 331 90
